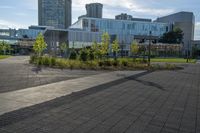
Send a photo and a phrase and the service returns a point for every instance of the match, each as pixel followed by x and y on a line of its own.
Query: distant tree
pixel 175 36
pixel 115 47
pixel 134 49
pixel 4 47
pixel 105 44
pixel 40 45
pixel 64 48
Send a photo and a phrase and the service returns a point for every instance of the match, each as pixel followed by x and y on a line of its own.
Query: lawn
pixel 4 56
pixel 173 60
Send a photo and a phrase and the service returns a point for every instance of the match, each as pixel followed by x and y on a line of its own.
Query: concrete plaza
pixel 120 102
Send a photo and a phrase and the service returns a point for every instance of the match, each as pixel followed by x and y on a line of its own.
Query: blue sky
pixel 22 13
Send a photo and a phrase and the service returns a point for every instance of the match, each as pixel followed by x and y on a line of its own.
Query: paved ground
pixel 158 102
pixel 16 73
pixel 15 100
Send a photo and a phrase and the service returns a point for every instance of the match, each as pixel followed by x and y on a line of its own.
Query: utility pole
pixel 149 55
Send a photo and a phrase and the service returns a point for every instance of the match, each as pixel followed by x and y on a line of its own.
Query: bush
pixel 39 61
pixel 53 61
pixel 124 63
pixel 115 63
pixel 46 61
pixel 73 55
pixel 33 59
pixel 91 55
pixel 84 55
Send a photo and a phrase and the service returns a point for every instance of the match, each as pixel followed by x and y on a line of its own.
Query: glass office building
pixel 87 30
pixel 56 13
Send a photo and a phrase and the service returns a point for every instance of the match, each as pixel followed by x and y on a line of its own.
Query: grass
pixel 106 64
pixel 4 56
pixel 173 60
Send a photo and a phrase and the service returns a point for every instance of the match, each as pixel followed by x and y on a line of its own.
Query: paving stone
pixel 156 102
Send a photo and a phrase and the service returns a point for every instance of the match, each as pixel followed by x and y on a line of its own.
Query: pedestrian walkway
pixel 149 102
pixel 14 100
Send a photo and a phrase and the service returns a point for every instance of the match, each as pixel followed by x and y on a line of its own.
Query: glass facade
pixel 121 26
pixel 55 13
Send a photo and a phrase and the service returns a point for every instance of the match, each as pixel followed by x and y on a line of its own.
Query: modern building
pixel 94 10
pixel 125 28
pixel 87 30
pixel 56 13
pixel 22 40
pixel 186 22
pixel 124 16
pixel 32 32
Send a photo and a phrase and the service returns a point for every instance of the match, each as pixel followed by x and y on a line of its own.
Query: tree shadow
pixel 37 69
pixel 148 83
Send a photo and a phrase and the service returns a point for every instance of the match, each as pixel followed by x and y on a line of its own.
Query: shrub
pixel 124 63
pixel 53 61
pixel 39 61
pixel 73 55
pixel 61 63
pixel 107 63
pixel 84 55
pixel 115 63
pixel 33 59
pixel 91 55
pixel 46 61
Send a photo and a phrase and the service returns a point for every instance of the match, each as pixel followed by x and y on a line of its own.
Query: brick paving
pixel 157 102
pixel 16 73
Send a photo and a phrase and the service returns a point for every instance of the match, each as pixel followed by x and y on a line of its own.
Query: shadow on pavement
pixel 24 113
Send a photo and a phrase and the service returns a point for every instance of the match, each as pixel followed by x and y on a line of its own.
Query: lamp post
pixel 149 54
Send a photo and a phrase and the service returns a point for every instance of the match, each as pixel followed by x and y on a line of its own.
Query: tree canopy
pixel 40 44
pixel 134 48
pixel 175 36
pixel 105 44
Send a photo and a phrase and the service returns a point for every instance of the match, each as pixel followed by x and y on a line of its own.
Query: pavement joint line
pixel 40 94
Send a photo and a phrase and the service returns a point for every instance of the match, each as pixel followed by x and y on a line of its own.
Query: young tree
pixel 40 44
pixel 105 44
pixel 64 48
pixel 94 49
pixel 115 47
pixel 134 48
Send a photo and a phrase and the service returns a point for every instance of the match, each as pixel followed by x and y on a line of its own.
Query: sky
pixel 23 13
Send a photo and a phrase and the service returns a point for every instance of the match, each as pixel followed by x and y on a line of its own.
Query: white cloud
pixel 131 5
pixel 7 24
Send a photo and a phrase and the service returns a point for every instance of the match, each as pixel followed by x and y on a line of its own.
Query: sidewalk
pixel 15 100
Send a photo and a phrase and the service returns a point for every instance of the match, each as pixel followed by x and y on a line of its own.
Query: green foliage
pixel 115 47
pixel 4 47
pixel 4 56
pixel 175 36
pixel 104 50
pixel 95 49
pixel 64 48
pixel 110 64
pixel 134 48
pixel 40 45
pixel 73 55
pixel 172 60
pixel 84 54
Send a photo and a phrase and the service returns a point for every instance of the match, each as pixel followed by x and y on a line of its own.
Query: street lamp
pixel 149 54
